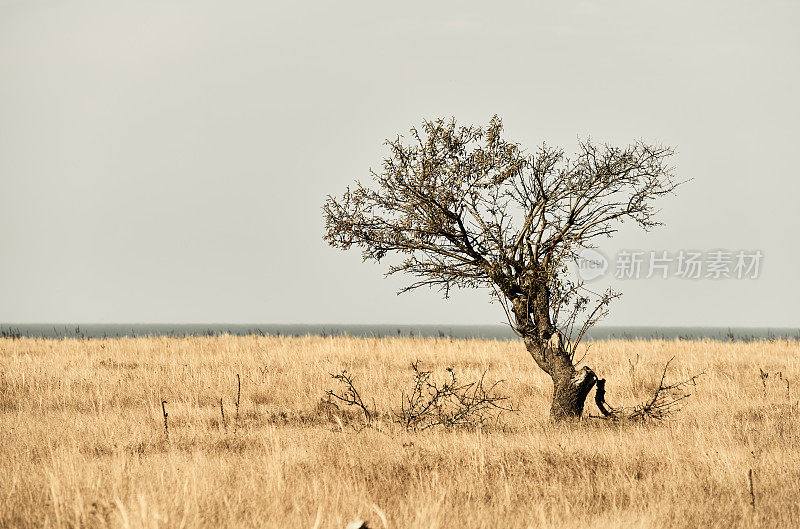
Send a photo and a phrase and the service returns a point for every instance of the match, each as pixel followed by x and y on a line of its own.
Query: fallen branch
pixel 664 403
pixel 350 395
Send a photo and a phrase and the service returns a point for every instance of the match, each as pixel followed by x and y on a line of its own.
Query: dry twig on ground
pixel 430 403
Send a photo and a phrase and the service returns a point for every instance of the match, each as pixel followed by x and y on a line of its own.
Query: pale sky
pixel 167 161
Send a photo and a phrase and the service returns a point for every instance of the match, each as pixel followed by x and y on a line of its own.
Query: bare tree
pixel 464 207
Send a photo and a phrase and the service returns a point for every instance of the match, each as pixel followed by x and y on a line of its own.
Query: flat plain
pixel 83 441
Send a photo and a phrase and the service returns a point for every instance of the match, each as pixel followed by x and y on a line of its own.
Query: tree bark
pixel 570 386
pixel 545 344
pixel 569 394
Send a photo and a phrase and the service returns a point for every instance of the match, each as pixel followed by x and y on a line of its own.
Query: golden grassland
pixel 83 440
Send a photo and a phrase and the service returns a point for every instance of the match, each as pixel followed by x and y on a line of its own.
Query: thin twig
pixel 164 411
pixel 238 396
pixel 350 396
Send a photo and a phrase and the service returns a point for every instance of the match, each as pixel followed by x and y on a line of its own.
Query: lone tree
pixel 464 207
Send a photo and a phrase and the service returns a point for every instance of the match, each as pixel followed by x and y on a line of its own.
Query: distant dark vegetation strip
pixel 453 332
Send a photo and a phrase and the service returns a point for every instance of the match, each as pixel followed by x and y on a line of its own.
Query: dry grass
pixel 83 441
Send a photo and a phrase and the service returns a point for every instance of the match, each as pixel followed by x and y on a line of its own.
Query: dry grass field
pixel 83 440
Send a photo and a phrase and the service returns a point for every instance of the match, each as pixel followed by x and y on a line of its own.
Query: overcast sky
pixel 167 161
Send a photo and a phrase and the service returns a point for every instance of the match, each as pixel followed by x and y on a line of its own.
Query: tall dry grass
pixel 83 441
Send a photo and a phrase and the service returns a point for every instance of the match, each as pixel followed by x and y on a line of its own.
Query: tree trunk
pixel 570 387
pixel 569 393
pixel 545 344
